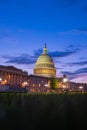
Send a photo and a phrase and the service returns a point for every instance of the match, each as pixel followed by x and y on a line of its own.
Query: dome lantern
pixel 45 49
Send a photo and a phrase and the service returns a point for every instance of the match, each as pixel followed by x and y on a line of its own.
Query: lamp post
pixel 0 80
pixel 24 84
pixel 65 80
pixel 46 86
pixel 81 88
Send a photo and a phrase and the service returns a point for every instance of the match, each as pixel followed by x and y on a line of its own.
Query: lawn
pixel 43 110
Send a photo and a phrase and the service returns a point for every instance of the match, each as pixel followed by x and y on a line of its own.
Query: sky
pixel 25 25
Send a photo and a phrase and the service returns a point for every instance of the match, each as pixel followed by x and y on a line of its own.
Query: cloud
pixel 7 36
pixel 61 54
pixel 74 32
pixel 83 29
pixel 69 51
pixel 31 59
pixel 78 63
pixel 79 73
pixel 3 35
pixel 38 52
pixel 83 58
pixel 70 74
pixel 22 59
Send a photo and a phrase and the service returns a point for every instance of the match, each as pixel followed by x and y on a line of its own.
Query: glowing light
pixel 24 84
pixel 4 82
pixel 64 86
pixel 46 85
pixel 0 79
pixel 81 87
pixel 65 80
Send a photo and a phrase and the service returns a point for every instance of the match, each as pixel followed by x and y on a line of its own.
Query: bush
pixel 42 110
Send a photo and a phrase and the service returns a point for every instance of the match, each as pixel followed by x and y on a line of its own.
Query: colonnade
pixel 14 78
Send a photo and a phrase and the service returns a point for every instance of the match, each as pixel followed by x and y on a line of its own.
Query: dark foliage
pixel 54 83
pixel 40 111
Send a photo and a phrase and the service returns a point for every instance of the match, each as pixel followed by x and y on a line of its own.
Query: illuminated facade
pixel 44 65
pixel 13 76
pixel 38 83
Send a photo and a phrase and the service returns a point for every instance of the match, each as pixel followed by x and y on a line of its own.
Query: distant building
pixel 11 75
pixel 39 83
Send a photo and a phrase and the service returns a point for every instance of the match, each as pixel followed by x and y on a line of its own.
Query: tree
pixel 54 83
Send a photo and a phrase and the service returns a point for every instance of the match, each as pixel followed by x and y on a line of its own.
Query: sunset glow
pixel 26 25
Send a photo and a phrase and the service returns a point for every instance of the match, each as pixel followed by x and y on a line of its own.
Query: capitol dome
pixel 44 65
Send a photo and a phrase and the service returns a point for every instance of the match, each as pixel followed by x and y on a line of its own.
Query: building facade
pixel 39 83
pixel 12 76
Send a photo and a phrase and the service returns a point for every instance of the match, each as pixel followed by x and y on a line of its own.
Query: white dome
pixel 44 64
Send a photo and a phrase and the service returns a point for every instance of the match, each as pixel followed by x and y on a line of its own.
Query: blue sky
pixel 25 25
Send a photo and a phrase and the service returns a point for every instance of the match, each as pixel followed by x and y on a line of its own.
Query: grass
pixel 43 110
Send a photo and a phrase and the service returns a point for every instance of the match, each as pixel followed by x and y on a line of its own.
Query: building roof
pixel 12 68
pixel 38 76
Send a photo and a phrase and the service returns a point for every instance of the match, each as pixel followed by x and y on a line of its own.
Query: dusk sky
pixel 25 25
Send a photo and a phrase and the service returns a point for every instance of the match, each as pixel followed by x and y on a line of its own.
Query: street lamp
pixel 24 84
pixel 81 88
pixel 0 80
pixel 65 78
pixel 65 81
pixel 46 85
pixel 64 86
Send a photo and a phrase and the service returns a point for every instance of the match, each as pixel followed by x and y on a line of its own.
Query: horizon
pixel 26 25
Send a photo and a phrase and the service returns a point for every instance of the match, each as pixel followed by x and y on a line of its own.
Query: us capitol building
pixel 44 69
pixel 40 79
